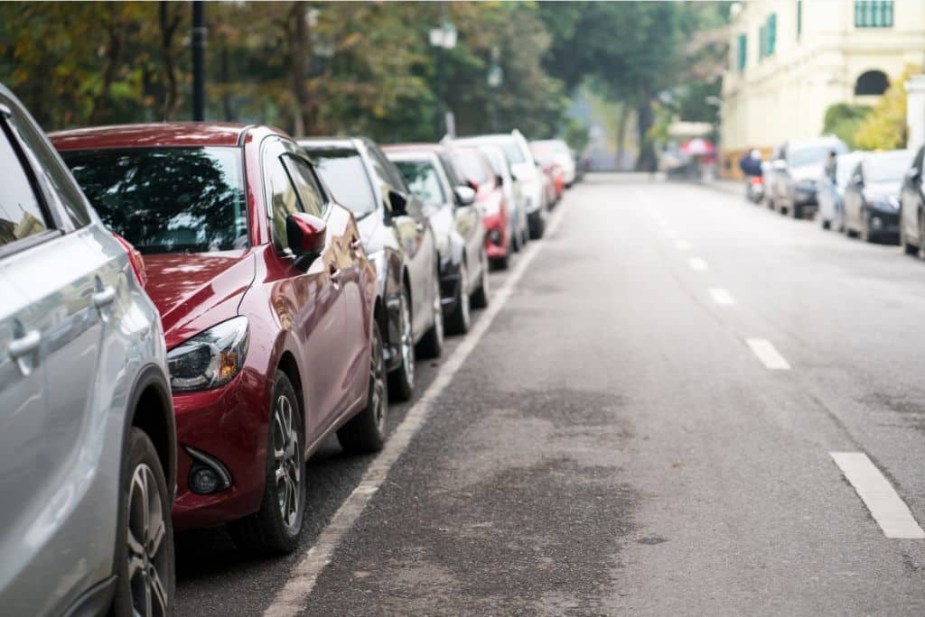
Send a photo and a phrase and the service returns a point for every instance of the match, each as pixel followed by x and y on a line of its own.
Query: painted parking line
pixel 292 599
pixel 698 264
pixel 768 355
pixel 682 245
pixel 884 503
pixel 722 296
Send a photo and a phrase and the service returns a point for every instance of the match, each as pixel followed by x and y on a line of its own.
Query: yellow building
pixel 789 60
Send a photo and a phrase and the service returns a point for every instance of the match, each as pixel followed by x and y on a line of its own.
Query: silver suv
pixel 87 437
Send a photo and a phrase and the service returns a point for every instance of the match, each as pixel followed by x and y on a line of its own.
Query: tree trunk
pixel 647 160
pixel 115 32
pixel 168 26
pixel 621 134
pixel 298 62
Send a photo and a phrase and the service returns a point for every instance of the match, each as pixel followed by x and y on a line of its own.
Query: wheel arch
pixel 151 410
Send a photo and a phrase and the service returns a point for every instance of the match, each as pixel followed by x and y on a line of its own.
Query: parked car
pixel 795 168
pixel 912 207
pixel 473 167
pixel 563 156
pixel 525 171
pixel 831 191
pixel 517 216
pixel 87 438
pixel 270 307
pixel 450 206
pixel 872 195
pixel 555 176
pixel 399 239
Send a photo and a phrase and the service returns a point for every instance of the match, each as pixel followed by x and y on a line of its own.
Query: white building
pixel 789 60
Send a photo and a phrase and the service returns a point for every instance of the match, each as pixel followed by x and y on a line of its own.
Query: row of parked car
pixel 190 310
pixel 877 196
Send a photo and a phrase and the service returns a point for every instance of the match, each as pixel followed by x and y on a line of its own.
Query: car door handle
pixel 104 297
pixel 25 344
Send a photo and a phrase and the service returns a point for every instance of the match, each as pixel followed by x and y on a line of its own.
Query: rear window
pixel 342 169
pixel 167 200
pixel 422 179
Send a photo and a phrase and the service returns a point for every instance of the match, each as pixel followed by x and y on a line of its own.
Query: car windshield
pixel 810 155
pixel 169 199
pixel 423 181
pixel 887 167
pixel 472 165
pixel 511 150
pixel 342 169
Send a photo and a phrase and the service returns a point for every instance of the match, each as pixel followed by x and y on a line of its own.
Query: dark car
pixel 399 239
pixel 790 181
pixel 269 305
pixel 912 207
pixel 872 195
pixel 830 191
pixel 450 206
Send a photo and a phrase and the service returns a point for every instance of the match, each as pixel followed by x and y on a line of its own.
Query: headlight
pixel 209 359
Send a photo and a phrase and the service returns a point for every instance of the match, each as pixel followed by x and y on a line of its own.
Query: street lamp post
pixel 442 38
pixel 199 60
pixel 495 78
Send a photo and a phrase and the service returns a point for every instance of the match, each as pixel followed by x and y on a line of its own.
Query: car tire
pixel 431 345
pixel 515 240
pixel 460 319
pixel 826 224
pixel 537 225
pixel 795 211
pixel 482 294
pixel 365 432
pixel 277 526
pixel 864 234
pixel 145 534
pixel 908 249
pixel 401 380
pixel 921 247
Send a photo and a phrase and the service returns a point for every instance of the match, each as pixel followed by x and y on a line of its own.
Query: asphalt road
pixel 643 424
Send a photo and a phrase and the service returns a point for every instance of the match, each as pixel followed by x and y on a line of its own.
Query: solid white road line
pixel 682 245
pixel 721 296
pixel 885 505
pixel 698 264
pixel 768 355
pixel 292 599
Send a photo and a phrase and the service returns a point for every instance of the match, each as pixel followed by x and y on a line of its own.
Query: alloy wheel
pixel 286 457
pixel 407 340
pixel 464 294
pixel 147 551
pixel 438 311
pixel 377 397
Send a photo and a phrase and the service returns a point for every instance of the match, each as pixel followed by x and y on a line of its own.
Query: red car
pixel 269 307
pixel 474 167
pixel 546 157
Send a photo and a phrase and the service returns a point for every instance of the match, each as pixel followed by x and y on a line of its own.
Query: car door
pixel 913 197
pixel 306 299
pixel 468 221
pixel 415 237
pixel 347 250
pixel 58 290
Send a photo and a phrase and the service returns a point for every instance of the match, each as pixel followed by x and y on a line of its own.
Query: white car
pixel 562 154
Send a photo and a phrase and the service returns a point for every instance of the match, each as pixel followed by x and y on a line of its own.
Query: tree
pixel 884 128
pixel 843 120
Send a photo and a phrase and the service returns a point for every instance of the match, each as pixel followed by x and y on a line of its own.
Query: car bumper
pixel 497 236
pixel 224 429
pixel 884 223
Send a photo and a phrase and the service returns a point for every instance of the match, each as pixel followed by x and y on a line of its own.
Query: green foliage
pixel 843 121
pixel 884 128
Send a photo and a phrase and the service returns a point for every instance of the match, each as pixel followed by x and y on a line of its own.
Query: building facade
pixel 789 60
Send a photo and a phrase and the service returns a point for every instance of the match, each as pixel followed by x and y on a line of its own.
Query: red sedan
pixel 269 307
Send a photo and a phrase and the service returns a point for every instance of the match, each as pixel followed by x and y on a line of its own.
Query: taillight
pixel 134 257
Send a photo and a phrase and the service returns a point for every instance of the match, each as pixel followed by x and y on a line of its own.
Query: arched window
pixel 872 82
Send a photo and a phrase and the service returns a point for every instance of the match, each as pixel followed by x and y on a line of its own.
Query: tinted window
pixel 423 180
pixel 20 212
pixel 343 171
pixel 283 199
pixel 167 200
pixel 304 181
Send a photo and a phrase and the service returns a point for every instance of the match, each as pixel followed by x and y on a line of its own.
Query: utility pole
pixel 443 38
pixel 199 60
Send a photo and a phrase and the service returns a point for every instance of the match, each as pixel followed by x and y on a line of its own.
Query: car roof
pixel 414 147
pixel 169 134
pixel 348 143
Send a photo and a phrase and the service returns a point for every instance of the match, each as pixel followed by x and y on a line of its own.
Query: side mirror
pixel 305 234
pixel 472 184
pixel 398 203
pixel 913 175
pixel 465 196
pixel 857 180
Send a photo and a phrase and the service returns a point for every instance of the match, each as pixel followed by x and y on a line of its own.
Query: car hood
pixel 882 191
pixel 195 291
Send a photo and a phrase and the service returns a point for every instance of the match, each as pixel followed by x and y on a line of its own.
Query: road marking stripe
pixel 698 264
pixel 721 296
pixel 292 599
pixel 682 245
pixel 885 505
pixel 768 355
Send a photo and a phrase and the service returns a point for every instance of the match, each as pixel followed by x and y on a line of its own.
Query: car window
pixel 886 167
pixel 303 178
pixel 284 199
pixel 65 189
pixel 423 180
pixel 472 164
pixel 20 210
pixel 919 159
pixel 167 200
pixel 344 172
pixel 449 168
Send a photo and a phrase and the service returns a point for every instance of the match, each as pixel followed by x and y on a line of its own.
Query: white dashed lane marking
pixel 884 503
pixel 768 355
